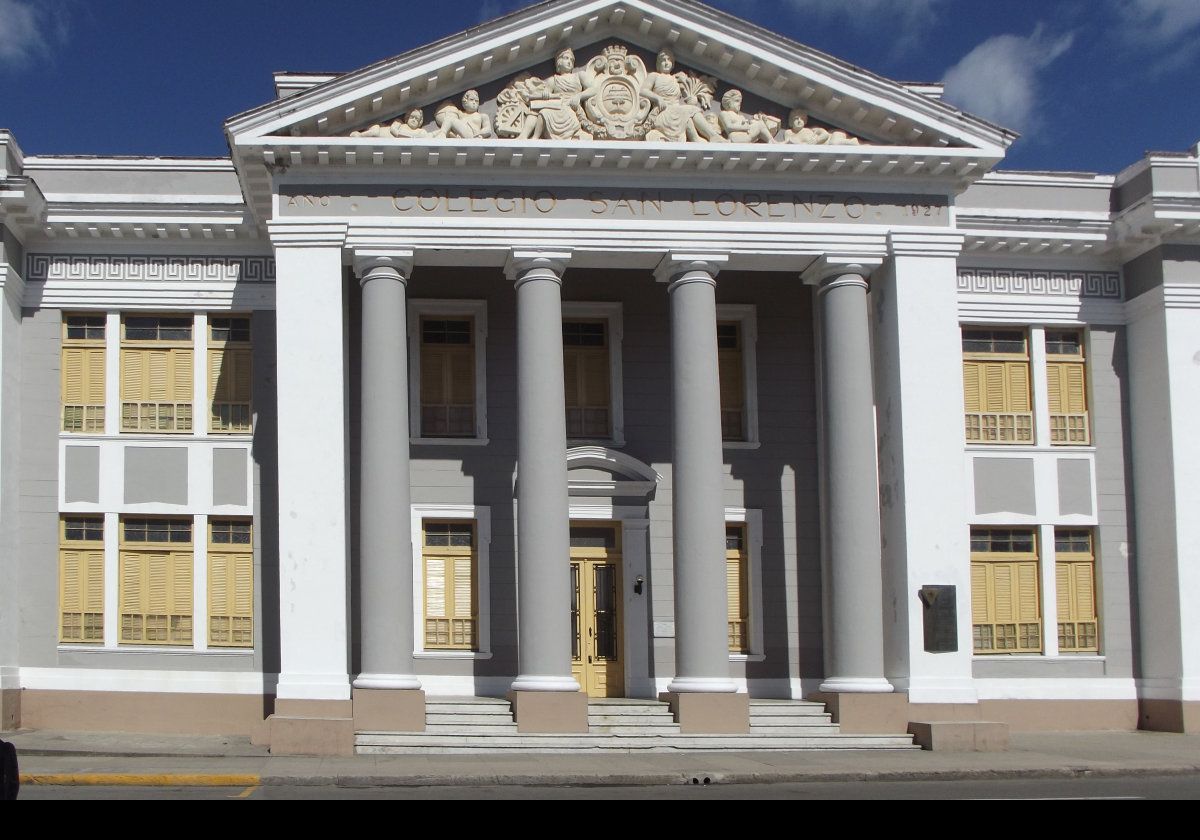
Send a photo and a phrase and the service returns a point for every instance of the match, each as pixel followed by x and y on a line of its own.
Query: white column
pixel 697 478
pixel 919 404
pixel 850 489
pixel 385 515
pixel 312 433
pixel 1164 368
pixel 543 537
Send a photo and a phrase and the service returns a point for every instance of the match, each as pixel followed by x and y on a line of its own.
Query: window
pixel 1075 574
pixel 156 373
pixel 229 374
pixel 738 588
pixel 586 374
pixel 447 340
pixel 450 596
pixel 1066 376
pixel 155 596
pixel 731 366
pixel 83 374
pixel 996 387
pixel 447 377
pixel 230 583
pixel 1005 597
pixel 81 580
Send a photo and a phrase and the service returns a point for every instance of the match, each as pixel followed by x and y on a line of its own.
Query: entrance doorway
pixel 597 658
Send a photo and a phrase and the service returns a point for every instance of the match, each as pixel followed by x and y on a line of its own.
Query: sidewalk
pixel 54 757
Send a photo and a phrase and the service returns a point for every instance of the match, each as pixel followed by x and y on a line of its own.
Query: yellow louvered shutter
pixel 133 366
pixel 1017 376
pixel 980 613
pixel 433 380
pixel 994 382
pixel 73 376
pixel 181 597
pixel 158 383
pixel 94 365
pixel 132 609
pixel 464 594
pixel 733 394
pixel 231 599
pixel 972 393
pixel 182 375
pixel 736 602
pixel 1027 592
pixel 220 632
pixel 594 370
pixel 1003 595
pixel 71 585
pixel 435 588
pixel 571 375
pixel 461 374
pixel 1062 577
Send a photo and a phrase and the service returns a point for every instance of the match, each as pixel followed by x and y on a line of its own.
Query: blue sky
pixel 1090 84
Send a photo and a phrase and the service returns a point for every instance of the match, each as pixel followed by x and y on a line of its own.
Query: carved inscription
pixel 597 205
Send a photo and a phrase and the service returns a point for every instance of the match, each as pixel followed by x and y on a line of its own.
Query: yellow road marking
pixel 239 780
pixel 246 793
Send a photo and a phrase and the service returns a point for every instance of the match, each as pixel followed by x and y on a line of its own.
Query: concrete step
pixel 791 709
pixel 626 730
pixel 631 720
pixel 794 731
pixel 382 744
pixel 792 723
pixel 432 717
pixel 476 731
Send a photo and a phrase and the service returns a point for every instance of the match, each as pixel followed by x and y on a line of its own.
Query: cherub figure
pixel 800 133
pixel 466 123
pixel 743 128
pixel 412 126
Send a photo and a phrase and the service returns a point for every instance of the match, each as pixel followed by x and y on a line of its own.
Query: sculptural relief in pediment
pixel 613 96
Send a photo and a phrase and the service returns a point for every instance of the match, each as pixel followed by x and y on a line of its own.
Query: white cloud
pixel 29 30
pixel 1161 21
pixel 998 79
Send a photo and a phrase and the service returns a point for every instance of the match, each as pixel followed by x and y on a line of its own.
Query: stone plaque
pixel 941 618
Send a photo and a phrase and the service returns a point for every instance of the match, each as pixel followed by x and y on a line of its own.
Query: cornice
pixel 83 163
pixel 307 235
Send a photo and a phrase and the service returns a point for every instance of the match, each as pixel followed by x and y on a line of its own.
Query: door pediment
pixel 598 471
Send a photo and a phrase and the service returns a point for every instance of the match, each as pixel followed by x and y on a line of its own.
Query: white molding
pixel 12 284
pixel 1062 311
pixel 611 314
pixel 643 479
pixel 1041 282
pixel 86 163
pixel 481 515
pixel 128 296
pixel 1056 688
pixel 477 310
pixel 180 268
pixel 746 315
pixel 1181 297
pixel 1186 690
pixel 149 681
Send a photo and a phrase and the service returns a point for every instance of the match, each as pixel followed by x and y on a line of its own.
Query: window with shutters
pixel 1066 375
pixel 1075 576
pixel 447 341
pixel 731 365
pixel 451 611
pixel 996 386
pixel 737 588
pixel 81 580
pixel 155 587
pixel 83 374
pixel 229 374
pixel 230 583
pixel 586 370
pixel 1006 611
pixel 447 377
pixel 156 373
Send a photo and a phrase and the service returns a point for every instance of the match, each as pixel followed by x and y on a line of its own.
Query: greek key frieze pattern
pixel 41 267
pixel 1011 281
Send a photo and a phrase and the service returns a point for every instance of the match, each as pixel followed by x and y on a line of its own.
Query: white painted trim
pixel 1057 688
pixel 612 315
pixel 1186 690
pixel 482 517
pixel 112 373
pixel 201 409
pixel 1047 566
pixel 112 581
pixel 129 296
pixel 746 315
pixel 753 520
pixel 642 478
pixel 477 310
pixel 150 681
pixel 10 677
pixel 200 582
pixel 974 308
pixel 1039 381
pixel 87 163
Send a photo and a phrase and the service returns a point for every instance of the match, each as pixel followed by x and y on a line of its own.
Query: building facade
pixel 614 348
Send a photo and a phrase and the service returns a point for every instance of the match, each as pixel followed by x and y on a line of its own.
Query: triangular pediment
pixel 615 90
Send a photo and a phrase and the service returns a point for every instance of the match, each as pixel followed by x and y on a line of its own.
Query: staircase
pixel 485 725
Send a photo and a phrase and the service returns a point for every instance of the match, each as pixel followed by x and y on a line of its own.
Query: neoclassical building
pixel 612 349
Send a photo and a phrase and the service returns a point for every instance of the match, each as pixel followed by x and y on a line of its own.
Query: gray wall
pixel 779 478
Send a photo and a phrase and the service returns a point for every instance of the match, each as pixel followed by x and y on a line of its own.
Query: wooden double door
pixel 597 628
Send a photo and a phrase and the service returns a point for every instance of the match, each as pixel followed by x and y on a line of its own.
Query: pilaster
pixel 11 288
pixel 919 405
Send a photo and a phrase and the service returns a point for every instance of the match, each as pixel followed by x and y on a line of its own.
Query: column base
pixel 312 727
pixel 709 714
pixel 388 710
pixel 857 685
pixel 10 709
pixel 389 682
pixel 1169 715
pixel 857 713
pixel 550 712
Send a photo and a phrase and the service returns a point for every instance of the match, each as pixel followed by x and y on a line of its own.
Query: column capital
pixel 676 264
pixel 831 266
pixel 396 263
pixel 925 244
pixel 292 235
pixel 547 264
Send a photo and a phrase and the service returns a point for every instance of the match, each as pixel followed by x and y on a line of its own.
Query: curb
pixel 141 779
